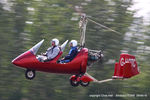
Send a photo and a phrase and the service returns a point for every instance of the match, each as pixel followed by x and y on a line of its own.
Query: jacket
pixel 72 53
pixel 52 52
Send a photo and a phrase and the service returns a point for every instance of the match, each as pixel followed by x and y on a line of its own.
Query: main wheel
pixel 30 74
pixel 74 83
pixel 84 83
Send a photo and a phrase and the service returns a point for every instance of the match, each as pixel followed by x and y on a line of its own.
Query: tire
pixel 84 84
pixel 30 74
pixel 74 83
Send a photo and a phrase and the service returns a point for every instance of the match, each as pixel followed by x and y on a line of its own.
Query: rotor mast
pixel 82 27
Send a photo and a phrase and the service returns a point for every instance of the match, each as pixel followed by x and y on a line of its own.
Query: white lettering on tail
pixel 126 60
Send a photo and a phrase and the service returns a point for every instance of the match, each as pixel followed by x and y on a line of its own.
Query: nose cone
pixel 23 59
pixel 16 61
pixel 27 57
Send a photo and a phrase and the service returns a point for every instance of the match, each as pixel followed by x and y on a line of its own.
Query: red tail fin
pixel 127 67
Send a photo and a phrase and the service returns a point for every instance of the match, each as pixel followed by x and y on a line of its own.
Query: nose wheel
pixel 30 74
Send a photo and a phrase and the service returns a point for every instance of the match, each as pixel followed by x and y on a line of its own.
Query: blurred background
pixel 23 23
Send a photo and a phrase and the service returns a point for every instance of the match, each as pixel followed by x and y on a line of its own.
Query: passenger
pixel 72 53
pixel 51 52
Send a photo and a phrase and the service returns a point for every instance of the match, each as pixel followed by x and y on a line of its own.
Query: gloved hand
pixel 44 54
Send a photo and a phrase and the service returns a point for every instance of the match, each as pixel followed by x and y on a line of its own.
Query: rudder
pixel 126 68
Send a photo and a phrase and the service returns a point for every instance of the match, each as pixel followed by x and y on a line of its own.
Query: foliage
pixel 29 21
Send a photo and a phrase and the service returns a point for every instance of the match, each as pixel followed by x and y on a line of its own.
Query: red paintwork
pixel 76 66
pixel 127 67
pixel 83 78
pixel 73 78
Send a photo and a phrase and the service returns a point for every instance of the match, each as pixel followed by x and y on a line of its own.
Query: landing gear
pixel 75 80
pixel 30 74
pixel 84 83
pixel 74 83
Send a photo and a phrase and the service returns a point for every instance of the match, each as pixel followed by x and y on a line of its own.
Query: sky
pixel 143 7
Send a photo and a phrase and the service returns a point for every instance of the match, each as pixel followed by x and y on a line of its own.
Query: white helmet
pixel 56 41
pixel 74 43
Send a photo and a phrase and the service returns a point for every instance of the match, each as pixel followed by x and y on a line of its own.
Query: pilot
pixel 72 53
pixel 51 52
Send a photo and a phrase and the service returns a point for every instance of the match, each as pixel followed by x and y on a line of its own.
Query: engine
pixel 93 56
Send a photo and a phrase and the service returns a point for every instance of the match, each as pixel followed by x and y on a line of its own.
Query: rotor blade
pixel 103 26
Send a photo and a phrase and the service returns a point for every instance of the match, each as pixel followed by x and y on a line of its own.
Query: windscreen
pixel 35 48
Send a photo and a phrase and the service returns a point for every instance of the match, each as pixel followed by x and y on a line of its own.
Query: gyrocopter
pixel 125 68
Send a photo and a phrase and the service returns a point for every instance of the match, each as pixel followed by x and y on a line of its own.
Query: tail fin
pixel 126 68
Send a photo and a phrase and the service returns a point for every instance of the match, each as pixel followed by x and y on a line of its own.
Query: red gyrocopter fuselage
pixel 77 67
pixel 29 61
